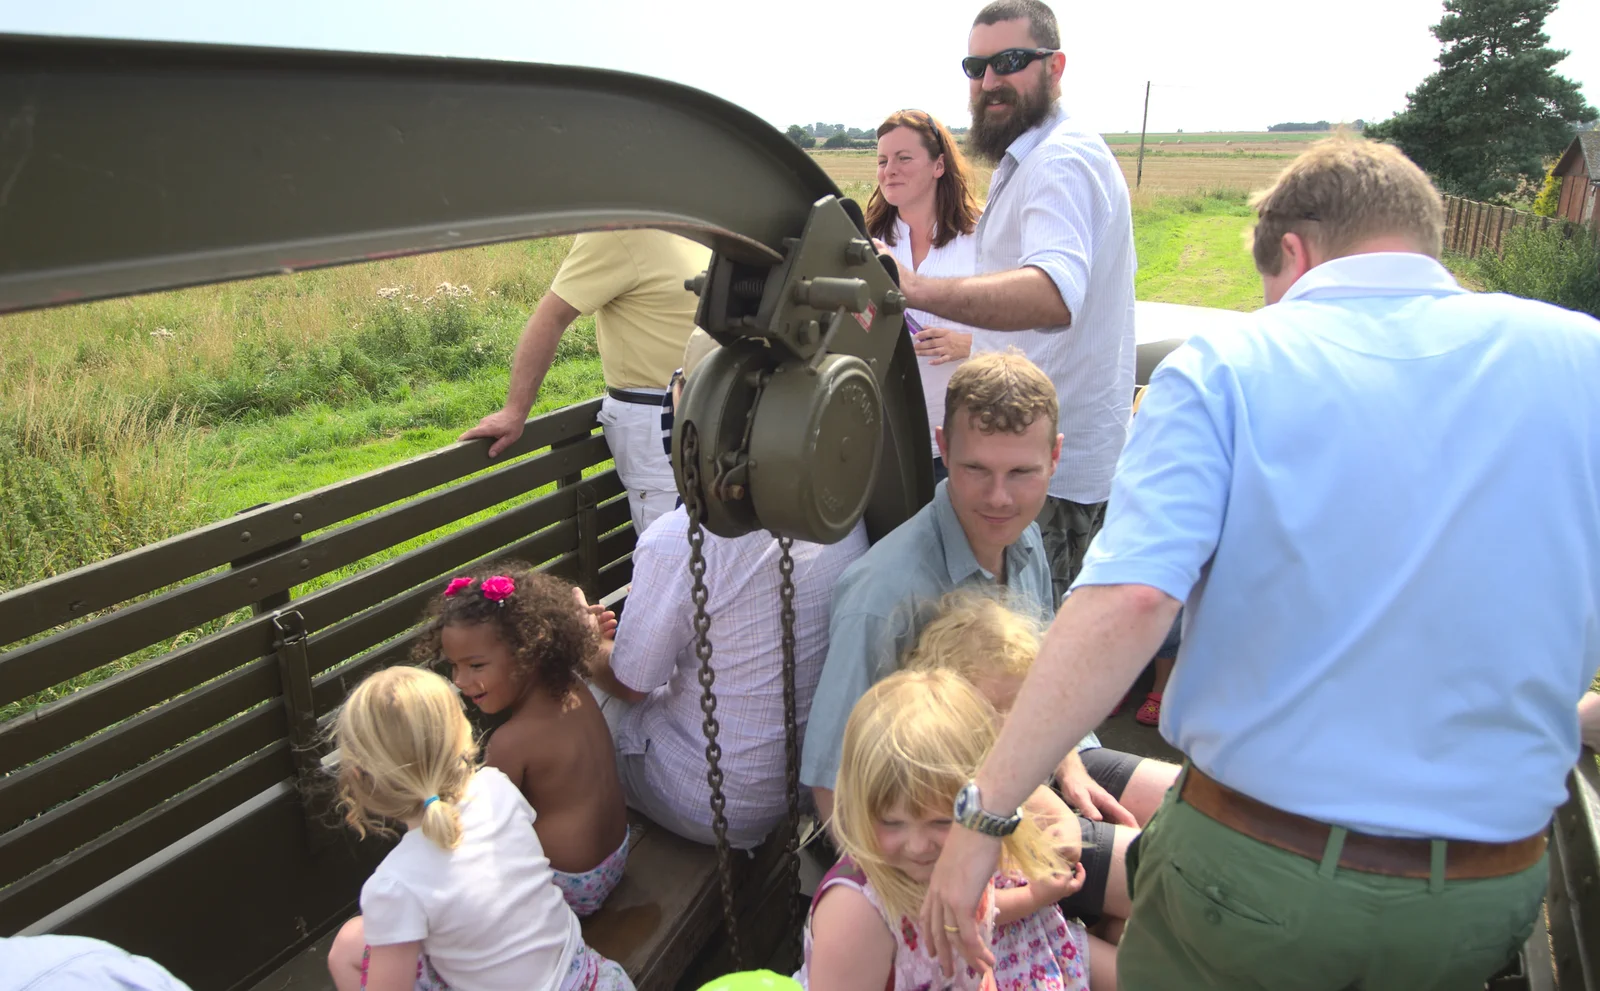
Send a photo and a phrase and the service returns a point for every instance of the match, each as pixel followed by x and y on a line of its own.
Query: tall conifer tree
pixel 1484 124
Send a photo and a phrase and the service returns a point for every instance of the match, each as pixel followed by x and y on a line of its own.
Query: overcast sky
pixel 1219 65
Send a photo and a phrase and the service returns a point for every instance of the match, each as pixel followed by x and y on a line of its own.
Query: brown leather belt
pixel 1390 855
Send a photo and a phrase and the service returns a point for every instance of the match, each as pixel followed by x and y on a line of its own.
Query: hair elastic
pixel 429 800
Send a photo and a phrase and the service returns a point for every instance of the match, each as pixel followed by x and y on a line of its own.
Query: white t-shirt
pixel 957 259
pixel 488 913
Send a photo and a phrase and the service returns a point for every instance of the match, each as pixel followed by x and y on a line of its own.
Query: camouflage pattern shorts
pixel 1068 527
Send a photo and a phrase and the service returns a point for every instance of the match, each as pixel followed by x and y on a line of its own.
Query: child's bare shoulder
pixel 848 935
pixel 521 740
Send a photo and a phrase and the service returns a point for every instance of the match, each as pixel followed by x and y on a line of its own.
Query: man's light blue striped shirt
pixel 1380 500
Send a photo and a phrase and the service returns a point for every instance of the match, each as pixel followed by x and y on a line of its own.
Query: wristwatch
pixel 969 812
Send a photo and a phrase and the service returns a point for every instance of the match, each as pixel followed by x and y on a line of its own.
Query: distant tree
pixel 1297 125
pixel 800 137
pixel 1485 123
pixel 1549 199
pixel 838 139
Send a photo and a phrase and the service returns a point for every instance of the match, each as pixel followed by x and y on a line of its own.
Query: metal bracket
pixel 300 710
pixel 588 541
pixel 830 286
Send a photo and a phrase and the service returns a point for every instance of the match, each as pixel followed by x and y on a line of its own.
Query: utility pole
pixel 1139 176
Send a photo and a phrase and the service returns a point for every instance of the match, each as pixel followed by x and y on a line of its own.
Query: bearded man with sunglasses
pixel 1055 262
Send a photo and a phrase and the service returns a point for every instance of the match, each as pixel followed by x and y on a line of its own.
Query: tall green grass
pixel 1196 250
pixel 127 421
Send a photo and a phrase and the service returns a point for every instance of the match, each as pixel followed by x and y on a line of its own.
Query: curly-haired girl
pixel 518 642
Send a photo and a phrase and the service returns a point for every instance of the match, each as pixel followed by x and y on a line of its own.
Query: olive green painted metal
pixel 391 587
pixel 130 166
pixel 70 827
pixel 819 427
pixel 830 297
pixel 196 888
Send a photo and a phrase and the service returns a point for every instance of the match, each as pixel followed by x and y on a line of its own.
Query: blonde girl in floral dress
pixel 912 742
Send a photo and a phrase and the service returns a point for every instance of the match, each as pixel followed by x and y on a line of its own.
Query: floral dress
pixel 1044 950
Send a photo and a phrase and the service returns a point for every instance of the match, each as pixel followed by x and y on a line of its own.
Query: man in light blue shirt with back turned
pixel 1379 502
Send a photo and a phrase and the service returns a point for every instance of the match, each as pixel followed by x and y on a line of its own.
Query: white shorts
pixel 633 432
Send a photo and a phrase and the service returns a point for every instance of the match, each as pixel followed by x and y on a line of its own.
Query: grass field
pixel 1290 138
pixel 1237 161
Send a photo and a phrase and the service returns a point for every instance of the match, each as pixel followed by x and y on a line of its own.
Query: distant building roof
pixel 1587 144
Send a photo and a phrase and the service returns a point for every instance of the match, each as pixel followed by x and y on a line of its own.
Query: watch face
pixel 964 803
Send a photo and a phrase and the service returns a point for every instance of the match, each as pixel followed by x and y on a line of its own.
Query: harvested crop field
pixel 1167 169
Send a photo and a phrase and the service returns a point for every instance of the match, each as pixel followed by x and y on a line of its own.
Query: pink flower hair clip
pixel 498 588
pixel 456 585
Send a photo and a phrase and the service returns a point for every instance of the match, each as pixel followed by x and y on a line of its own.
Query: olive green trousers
pixel 1213 908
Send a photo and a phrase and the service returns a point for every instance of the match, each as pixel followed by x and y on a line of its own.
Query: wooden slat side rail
pixel 1574 898
pixel 85 712
pixel 51 727
pixel 400 612
pixel 51 887
pixel 36 789
pixel 69 826
pixel 50 661
pixel 84 591
pixel 331 687
pixel 43 785
pixel 399 617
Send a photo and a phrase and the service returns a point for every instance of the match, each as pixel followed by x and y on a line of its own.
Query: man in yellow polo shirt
pixel 632 281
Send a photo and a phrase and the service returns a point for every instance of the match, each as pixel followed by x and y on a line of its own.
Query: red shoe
pixel 1150 713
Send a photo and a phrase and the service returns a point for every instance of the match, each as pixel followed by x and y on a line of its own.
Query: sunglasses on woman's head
pixel 1004 63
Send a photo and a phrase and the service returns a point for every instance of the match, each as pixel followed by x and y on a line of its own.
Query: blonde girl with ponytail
pixel 912 741
pixel 466 899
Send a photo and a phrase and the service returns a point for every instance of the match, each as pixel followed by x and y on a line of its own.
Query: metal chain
pixel 791 733
pixel 708 678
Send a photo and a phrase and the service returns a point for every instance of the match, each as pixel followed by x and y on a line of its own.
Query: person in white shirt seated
pixel 78 963
pixel 925 213
pixel 647 678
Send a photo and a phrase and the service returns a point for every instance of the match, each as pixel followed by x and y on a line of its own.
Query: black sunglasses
pixel 1004 63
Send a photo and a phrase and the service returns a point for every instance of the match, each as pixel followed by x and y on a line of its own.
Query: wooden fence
pixel 1470 227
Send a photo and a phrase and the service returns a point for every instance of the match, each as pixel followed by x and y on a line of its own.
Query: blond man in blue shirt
pixel 1378 501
